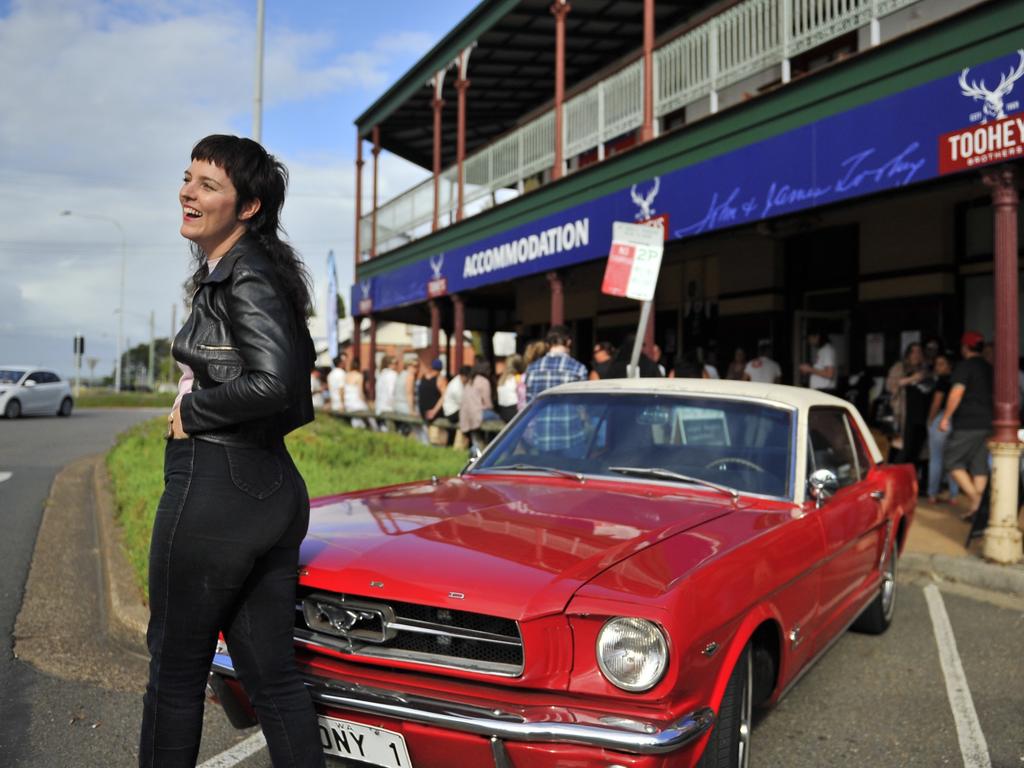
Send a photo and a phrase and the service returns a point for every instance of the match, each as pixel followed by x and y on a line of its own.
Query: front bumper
pixel 544 724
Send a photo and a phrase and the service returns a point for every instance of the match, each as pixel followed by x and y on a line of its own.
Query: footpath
pixel 936 548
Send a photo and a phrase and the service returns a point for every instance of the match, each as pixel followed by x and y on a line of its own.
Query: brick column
pixel 359 195
pixel 459 330
pixel 357 342
pixel 376 173
pixel 1002 543
pixel 371 375
pixel 437 104
pixel 435 329
pixel 557 298
pixel 647 128
pixel 560 9
pixel 461 86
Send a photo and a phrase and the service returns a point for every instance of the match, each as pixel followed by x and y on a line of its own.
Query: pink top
pixel 187 377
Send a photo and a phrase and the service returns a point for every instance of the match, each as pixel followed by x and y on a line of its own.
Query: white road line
pixel 5 476
pixel 973 746
pixel 238 753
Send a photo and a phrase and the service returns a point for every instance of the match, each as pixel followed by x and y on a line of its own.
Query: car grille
pixel 422 634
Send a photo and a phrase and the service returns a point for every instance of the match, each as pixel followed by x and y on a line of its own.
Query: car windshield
pixel 736 444
pixel 8 376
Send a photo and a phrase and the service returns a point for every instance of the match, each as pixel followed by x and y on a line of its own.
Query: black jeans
pixel 224 557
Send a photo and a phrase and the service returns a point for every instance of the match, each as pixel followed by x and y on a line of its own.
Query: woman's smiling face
pixel 209 203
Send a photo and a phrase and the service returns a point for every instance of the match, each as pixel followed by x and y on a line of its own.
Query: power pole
pixel 151 378
pixel 257 107
pixel 170 348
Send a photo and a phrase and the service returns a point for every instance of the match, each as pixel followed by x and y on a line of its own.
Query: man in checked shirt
pixel 556 367
pixel 557 428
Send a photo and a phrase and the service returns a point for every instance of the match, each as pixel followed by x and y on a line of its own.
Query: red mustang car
pixel 627 570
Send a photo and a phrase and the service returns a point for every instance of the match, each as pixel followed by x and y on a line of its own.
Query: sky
pixel 101 105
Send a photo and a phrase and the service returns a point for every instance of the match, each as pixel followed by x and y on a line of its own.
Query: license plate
pixel 363 743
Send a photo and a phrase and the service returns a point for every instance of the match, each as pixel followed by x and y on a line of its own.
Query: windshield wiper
pixel 670 475
pixel 535 468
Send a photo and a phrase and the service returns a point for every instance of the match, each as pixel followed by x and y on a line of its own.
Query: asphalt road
pixel 86 713
pixel 878 701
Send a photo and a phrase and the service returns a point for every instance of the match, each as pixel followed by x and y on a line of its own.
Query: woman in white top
pixel 405 388
pixel 385 388
pixel 508 388
pixel 353 397
pixel 452 400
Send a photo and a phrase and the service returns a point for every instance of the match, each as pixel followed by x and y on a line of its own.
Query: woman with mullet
pixel 234 508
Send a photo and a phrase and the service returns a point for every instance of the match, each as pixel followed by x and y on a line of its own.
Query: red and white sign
pixel 982 144
pixel 634 261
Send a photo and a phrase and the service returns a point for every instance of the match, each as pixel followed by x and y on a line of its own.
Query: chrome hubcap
pixel 746 713
pixel 889 585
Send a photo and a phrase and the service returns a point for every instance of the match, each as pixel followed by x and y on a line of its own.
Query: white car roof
pixel 783 394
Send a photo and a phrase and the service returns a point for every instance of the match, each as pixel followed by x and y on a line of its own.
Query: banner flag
pixel 332 306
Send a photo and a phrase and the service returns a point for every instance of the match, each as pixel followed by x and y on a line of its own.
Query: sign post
pixel 632 271
pixel 79 351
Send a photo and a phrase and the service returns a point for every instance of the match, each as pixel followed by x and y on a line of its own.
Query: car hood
pixel 512 547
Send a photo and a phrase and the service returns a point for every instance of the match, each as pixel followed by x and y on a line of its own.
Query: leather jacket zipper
pixel 217 348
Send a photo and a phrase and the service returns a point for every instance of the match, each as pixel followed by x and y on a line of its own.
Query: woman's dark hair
pixel 257 175
pixel 688 366
pixel 482 367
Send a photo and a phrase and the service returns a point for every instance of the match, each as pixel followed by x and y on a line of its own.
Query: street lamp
pixel 124 264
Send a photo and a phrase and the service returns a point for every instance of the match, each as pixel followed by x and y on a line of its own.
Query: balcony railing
pixel 750 37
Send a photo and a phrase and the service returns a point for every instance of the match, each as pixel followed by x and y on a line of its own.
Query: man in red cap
pixel 969 411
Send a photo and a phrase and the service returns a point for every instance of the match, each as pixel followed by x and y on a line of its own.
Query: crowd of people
pixel 935 408
pixel 941 411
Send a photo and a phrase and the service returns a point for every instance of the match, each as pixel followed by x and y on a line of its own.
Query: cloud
pixel 100 105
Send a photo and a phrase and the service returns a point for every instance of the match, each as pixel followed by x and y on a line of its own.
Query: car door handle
pixel 877 495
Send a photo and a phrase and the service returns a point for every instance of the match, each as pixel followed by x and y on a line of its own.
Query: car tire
pixel 877 617
pixel 13 409
pixel 729 743
pixel 65 407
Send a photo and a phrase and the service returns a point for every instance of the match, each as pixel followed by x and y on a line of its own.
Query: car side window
pixel 829 443
pixel 864 461
pixel 37 376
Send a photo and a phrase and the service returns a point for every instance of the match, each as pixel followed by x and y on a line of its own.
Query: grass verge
pixel 105 398
pixel 332 457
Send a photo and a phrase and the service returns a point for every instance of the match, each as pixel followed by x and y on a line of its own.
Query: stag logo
pixel 995 105
pixel 364 286
pixel 645 202
pixel 436 266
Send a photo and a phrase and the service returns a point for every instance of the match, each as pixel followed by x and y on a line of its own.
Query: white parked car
pixel 26 390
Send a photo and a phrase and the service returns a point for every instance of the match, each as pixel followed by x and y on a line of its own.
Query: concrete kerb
pixel 969 570
pixel 128 616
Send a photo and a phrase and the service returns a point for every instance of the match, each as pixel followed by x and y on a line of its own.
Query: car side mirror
pixel 822 485
pixel 29 383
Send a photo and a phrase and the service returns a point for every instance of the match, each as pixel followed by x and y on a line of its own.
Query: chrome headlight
pixel 632 653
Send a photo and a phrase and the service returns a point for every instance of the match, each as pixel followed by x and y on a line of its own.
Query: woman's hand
pixel 175 430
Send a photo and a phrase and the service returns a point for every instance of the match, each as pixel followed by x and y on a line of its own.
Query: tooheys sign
pixel 995 136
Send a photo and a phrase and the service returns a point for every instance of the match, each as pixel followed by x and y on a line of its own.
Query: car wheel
pixel 13 409
pixel 65 407
pixel 877 617
pixel 729 743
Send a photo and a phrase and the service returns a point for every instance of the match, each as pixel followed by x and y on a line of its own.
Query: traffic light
pixel 79 345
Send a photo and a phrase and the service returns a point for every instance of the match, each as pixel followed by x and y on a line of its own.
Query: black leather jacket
pixel 250 361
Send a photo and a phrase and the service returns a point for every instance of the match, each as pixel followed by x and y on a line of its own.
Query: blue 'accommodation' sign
pixel 965 120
